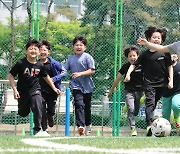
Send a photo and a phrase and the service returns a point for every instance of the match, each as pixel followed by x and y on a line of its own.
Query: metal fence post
pixel 67 121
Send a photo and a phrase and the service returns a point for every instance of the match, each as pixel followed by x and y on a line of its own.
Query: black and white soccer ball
pixel 161 127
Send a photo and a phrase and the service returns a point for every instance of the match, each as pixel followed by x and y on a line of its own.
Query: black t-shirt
pixel 176 82
pixel 28 75
pixel 155 67
pixel 44 85
pixel 135 84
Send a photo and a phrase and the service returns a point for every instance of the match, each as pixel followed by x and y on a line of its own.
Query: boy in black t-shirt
pixel 157 67
pixel 28 91
pixel 133 89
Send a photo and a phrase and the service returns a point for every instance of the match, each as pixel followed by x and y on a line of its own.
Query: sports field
pixel 88 145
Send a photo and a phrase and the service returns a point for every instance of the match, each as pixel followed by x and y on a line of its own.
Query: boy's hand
pixel 57 91
pixel 142 41
pixel 170 84
pixel 75 74
pixel 16 94
pixel 127 79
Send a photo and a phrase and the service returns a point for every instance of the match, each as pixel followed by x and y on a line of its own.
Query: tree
pixel 47 19
pixel 11 10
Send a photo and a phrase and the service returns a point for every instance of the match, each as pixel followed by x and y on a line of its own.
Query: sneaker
pixel 51 122
pixel 133 132
pixel 177 122
pixel 81 130
pixel 148 131
pixel 42 134
pixel 88 130
pixel 35 132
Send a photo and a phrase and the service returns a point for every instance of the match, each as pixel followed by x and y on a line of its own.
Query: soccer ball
pixel 161 127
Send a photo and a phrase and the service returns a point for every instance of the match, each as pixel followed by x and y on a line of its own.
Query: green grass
pixel 125 142
pixel 14 142
pixel 7 142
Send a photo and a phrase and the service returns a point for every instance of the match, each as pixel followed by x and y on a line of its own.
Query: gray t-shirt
pixel 81 63
pixel 175 47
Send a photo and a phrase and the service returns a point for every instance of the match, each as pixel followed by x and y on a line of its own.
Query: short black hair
pixel 131 48
pixel 80 38
pixel 33 42
pixel 46 43
pixel 148 33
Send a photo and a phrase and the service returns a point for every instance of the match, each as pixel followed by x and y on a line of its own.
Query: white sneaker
pixel 42 134
pixel 88 130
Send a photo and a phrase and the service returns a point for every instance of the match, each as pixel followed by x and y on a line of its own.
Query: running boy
pixel 81 66
pixel 133 89
pixel 56 72
pixel 28 91
pixel 157 67
pixel 171 97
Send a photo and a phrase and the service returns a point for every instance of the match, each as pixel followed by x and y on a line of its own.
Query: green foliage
pixel 65 10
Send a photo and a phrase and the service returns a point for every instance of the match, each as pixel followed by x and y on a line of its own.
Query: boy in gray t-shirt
pixel 81 65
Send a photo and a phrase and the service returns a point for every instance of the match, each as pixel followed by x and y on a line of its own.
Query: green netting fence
pixel 110 26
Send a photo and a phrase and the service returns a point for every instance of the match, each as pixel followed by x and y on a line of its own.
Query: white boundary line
pixel 51 146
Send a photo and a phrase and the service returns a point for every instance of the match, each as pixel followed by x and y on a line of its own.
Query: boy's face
pixel 79 48
pixel 156 38
pixel 132 56
pixel 44 52
pixel 174 57
pixel 32 51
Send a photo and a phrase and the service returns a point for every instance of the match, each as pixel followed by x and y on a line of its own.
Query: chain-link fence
pixel 60 21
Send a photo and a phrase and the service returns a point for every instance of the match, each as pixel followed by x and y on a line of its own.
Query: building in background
pixel 21 9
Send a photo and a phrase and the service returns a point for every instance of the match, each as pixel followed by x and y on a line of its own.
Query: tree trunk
pixel 30 17
pixel 47 19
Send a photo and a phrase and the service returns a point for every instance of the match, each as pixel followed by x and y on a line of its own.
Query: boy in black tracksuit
pixel 57 72
pixel 133 89
pixel 28 91
pixel 157 67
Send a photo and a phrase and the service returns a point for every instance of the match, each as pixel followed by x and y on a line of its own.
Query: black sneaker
pixel 35 132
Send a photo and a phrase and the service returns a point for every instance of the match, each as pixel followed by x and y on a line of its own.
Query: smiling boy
pixel 28 91
pixel 81 66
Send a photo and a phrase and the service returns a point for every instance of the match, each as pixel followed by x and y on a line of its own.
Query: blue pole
pixel 67 121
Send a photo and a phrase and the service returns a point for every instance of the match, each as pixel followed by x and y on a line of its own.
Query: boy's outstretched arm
pixel 128 78
pixel 50 82
pixel 13 85
pixel 153 46
pixel 115 83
